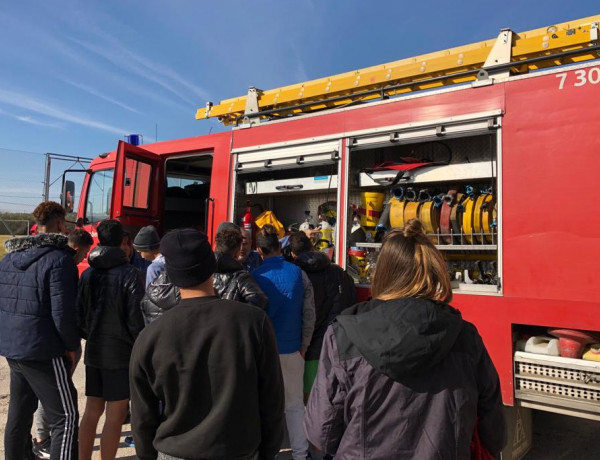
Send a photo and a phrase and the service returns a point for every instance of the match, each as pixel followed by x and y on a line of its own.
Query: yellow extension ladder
pixel 509 54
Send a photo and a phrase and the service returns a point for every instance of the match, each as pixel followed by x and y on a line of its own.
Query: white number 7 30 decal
pixel 582 77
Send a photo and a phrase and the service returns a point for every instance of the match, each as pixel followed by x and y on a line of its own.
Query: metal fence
pixel 14 227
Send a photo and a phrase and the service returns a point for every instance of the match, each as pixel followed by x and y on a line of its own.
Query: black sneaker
pixel 129 441
pixel 41 449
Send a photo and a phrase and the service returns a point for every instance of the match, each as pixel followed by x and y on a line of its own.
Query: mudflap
pixel 520 432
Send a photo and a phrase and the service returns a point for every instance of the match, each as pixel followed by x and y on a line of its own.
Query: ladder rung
pixel 450 66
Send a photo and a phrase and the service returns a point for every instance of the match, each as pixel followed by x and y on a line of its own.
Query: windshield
pixel 97 205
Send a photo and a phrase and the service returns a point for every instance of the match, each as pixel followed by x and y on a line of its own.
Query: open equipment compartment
pixel 446 174
pixel 291 181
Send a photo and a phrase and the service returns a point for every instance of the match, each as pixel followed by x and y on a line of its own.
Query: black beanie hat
pixel 189 259
pixel 147 239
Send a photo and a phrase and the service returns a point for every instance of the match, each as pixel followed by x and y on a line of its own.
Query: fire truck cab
pixel 167 184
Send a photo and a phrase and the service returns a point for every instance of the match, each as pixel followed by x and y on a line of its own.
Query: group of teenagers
pixel 212 351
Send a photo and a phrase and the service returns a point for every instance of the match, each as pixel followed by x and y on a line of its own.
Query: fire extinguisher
pixel 248 221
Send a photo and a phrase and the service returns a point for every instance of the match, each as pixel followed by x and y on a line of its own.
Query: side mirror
pixel 67 197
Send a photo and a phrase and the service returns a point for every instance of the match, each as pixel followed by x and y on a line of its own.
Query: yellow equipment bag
pixel 267 217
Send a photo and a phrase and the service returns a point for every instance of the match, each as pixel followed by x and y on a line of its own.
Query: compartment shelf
pixel 445 173
pixel 476 288
pixel 441 247
pixel 467 247
pixel 458 287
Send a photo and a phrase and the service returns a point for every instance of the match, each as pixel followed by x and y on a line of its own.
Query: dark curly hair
pixel 110 233
pixel 229 240
pixel 300 243
pixel 49 212
pixel 79 238
pixel 267 240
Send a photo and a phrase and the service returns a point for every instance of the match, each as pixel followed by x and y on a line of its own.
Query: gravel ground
pixel 79 380
pixel 124 452
pixel 561 437
pixel 555 437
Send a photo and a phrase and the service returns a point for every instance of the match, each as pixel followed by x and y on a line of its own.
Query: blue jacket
pixel 140 263
pixel 38 285
pixel 281 281
pixel 253 261
pixel 154 269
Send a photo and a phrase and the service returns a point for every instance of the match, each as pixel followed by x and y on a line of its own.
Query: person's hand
pixel 303 354
pixel 70 355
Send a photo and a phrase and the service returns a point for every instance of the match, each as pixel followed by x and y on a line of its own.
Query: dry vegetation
pixel 18 224
pixel 2 240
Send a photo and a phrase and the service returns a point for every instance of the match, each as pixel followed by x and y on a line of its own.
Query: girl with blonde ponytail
pixel 403 376
pixel 409 265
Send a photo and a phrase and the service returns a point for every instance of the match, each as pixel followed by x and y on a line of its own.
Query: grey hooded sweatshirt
pixel 404 379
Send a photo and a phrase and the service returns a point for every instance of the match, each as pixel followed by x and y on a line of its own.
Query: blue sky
pixel 77 76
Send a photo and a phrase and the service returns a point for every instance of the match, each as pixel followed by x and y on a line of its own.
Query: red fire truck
pixel 494 145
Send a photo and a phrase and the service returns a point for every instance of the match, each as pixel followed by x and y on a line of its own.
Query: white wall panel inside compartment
pixel 288 208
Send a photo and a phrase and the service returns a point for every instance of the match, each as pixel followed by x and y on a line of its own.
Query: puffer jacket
pixel 404 379
pixel 161 295
pixel 38 285
pixel 108 308
pixel 283 284
pixel 232 282
pixel 333 289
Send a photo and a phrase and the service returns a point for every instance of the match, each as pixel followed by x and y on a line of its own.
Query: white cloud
pixel 145 68
pixel 33 121
pixel 20 191
pixel 300 73
pixel 49 44
pixel 33 104
pixel 82 61
pixel 97 93
pixel 125 56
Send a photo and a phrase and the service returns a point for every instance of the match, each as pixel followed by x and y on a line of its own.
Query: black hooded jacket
pixel 108 308
pixel 334 291
pixel 232 282
pixel 404 378
pixel 38 284
pixel 161 295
